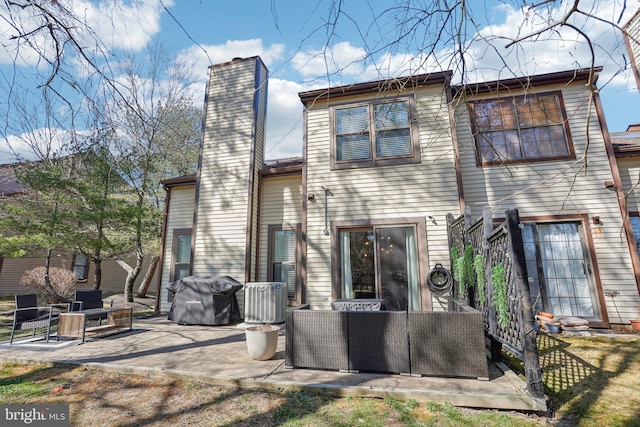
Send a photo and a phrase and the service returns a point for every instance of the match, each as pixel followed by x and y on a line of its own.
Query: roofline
pixel 12 194
pixel 534 80
pixel 623 150
pixel 237 59
pixel 398 83
pixel 287 170
pixel 180 180
pixel 191 179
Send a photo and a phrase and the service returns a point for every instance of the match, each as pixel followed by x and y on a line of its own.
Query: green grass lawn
pixel 592 381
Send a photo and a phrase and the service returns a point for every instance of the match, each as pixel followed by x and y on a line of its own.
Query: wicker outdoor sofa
pixel 449 344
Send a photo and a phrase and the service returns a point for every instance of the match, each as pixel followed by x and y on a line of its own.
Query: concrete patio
pixel 218 355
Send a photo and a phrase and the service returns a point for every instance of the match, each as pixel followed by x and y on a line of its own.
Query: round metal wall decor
pixel 439 280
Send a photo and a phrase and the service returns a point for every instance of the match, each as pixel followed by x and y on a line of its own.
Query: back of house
pixel 363 213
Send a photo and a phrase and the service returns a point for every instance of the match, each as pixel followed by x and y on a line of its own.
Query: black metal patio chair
pixel 28 315
pixel 91 303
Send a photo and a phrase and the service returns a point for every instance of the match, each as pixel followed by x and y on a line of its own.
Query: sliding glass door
pixel 561 278
pixel 381 262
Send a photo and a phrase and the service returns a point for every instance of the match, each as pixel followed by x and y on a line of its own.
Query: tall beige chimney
pixel 231 155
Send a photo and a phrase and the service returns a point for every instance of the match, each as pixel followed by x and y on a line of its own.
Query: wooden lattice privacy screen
pixel 499 244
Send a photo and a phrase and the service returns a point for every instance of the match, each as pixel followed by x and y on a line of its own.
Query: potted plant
pixel 635 323
pixel 262 341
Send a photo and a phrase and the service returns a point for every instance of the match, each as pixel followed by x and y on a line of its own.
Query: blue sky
pixel 291 36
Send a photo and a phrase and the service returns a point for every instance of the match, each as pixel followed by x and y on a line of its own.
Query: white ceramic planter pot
pixel 262 341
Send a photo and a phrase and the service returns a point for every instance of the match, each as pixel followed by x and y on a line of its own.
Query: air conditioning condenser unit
pixel 265 302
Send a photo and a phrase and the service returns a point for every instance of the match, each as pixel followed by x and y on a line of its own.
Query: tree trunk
pixel 97 274
pixel 132 274
pixel 52 296
pixel 146 281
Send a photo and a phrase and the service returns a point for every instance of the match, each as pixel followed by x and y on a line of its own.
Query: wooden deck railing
pixel 501 245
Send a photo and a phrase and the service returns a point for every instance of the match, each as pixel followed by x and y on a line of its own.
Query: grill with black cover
pixel 204 300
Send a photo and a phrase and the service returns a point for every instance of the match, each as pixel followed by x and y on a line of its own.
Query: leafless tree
pixel 158 137
pixel 142 96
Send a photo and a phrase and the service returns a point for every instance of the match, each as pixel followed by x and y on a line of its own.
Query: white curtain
pixel 345 264
pixel 412 271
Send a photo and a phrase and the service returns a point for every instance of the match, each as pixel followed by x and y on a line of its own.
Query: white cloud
pixel 36 145
pixel 388 65
pixel 113 24
pixel 11 50
pixel 284 120
pixel 342 58
pixel 201 57
pixel 486 54
pixel 122 26
pixel 557 49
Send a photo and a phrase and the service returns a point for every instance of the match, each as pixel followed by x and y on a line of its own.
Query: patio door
pixel 381 262
pixel 559 269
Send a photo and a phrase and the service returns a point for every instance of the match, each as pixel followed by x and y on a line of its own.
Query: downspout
pixel 163 240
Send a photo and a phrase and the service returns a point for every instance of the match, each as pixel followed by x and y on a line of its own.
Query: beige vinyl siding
pixel 633 29
pixel 391 192
pixel 220 239
pixel 632 38
pixel 14 268
pixel 560 188
pixel 113 276
pixel 180 215
pixel 281 204
pixel 630 176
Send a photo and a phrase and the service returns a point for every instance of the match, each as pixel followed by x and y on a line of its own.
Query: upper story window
pixel 521 129
pixel 374 134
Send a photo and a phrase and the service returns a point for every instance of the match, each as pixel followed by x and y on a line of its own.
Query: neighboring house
pixel 12 269
pixel 363 213
pixel 631 32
